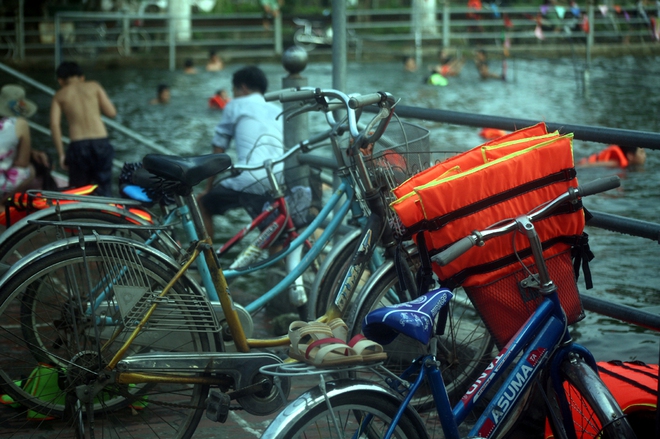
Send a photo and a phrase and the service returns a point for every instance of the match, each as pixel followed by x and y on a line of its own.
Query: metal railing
pixel 150 144
pixel 80 34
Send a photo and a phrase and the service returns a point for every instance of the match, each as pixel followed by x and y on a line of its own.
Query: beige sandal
pixel 314 343
pixel 369 350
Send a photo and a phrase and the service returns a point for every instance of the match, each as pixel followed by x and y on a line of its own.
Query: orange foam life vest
pixel 497 180
pixel 634 385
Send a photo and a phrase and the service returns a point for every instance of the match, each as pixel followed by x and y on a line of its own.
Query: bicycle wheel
pixel 138 42
pixel 352 402
pixel 25 236
pixel 464 351
pixel 55 342
pixel 594 410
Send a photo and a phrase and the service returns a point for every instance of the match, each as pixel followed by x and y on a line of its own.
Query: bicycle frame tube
pixel 278 204
pixel 537 339
pixel 343 190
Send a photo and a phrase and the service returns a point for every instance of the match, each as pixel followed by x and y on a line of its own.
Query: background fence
pixel 380 31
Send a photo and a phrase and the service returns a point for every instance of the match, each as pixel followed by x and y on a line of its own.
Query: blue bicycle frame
pixel 543 331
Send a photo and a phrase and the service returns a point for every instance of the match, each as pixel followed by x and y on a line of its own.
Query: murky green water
pixel 622 93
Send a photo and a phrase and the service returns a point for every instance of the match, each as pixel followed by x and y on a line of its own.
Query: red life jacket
pixel 612 153
pixel 634 385
pixel 217 102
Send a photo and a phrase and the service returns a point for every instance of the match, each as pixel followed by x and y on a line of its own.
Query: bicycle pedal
pixel 217 406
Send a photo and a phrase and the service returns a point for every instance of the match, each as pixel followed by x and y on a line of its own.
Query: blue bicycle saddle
pixel 414 319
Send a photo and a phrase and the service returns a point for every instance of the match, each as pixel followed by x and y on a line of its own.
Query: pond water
pixel 621 93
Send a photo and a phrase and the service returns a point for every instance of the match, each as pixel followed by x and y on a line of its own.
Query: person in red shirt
pixel 616 156
pixel 219 100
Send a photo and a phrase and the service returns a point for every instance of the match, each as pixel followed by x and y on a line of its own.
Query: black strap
pixel 425 272
pixel 406 280
pixel 443 220
pixel 628 380
pixel 582 255
pixel 458 278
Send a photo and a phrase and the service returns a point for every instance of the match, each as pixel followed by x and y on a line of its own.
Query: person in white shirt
pixel 251 123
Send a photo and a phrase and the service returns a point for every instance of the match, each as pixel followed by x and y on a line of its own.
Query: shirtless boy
pixel 89 155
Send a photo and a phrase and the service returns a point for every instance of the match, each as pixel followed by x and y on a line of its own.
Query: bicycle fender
pixel 162 258
pixel 350 238
pixel 315 396
pixel 53 210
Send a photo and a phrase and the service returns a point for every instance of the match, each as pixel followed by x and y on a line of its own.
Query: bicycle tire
pixel 351 401
pixel 595 412
pixel 464 351
pixel 26 237
pixel 34 312
pixel 308 47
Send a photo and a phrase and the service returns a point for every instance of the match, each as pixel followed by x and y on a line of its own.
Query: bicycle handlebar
pixel 316 99
pixel 303 146
pixel 479 238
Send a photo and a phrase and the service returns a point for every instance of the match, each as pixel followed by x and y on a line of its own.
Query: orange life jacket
pixel 491 133
pixel 21 204
pixel 504 177
pixel 612 153
pixel 634 385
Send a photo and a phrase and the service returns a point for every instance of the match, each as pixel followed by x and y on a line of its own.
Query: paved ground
pixel 239 425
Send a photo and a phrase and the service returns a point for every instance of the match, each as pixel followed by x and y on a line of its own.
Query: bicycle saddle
pixel 187 170
pixel 414 319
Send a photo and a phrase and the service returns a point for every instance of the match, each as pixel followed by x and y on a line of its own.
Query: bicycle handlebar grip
pixel 455 250
pixel 275 95
pixel 296 95
pixel 363 100
pixel 600 185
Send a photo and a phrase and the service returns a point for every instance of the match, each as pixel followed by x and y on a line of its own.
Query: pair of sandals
pixel 324 344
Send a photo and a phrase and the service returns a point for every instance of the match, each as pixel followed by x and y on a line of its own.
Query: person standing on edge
pixel 89 155
pixel 252 124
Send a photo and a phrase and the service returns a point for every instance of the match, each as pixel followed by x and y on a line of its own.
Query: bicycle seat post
pixel 276 189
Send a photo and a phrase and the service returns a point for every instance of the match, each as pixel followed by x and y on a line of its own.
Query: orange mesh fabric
pixel 504 306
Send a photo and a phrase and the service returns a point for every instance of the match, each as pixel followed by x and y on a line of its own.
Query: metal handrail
pixel 109 122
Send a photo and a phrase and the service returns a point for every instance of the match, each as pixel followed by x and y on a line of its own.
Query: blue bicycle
pixel 540 361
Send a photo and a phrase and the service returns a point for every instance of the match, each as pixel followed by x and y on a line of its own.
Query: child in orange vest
pixel 616 156
pixel 219 100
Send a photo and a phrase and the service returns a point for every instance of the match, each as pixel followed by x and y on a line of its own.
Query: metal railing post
pixel 446 24
pixel 20 31
pixel 58 42
pixel 339 45
pixel 278 34
pixel 127 37
pixel 172 43
pixel 417 31
pixel 296 129
pixel 590 34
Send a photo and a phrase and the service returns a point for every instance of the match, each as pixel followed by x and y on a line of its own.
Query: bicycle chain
pixel 126 394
